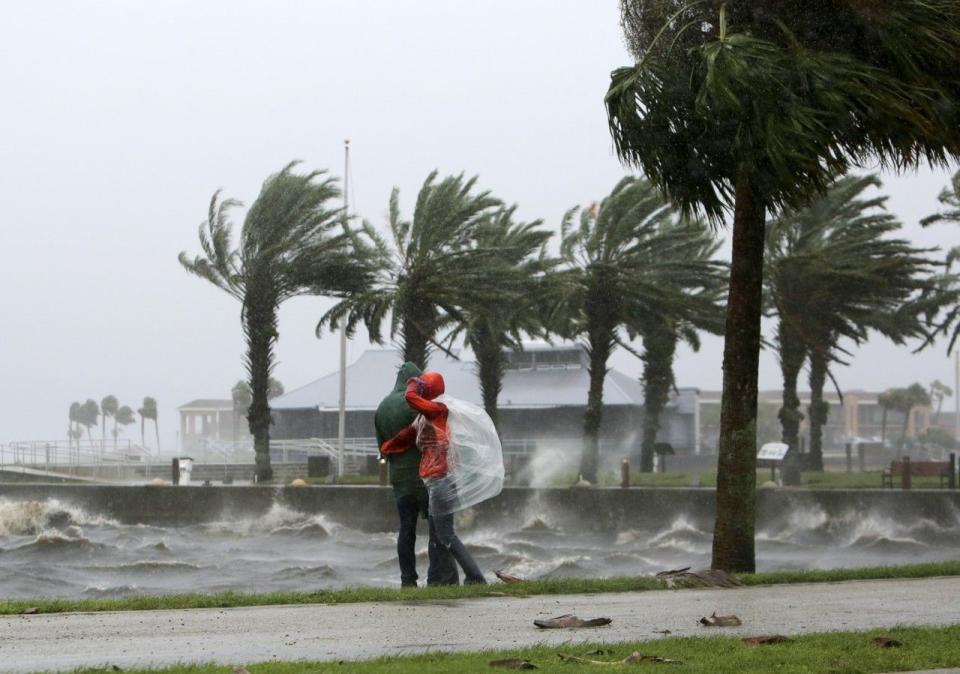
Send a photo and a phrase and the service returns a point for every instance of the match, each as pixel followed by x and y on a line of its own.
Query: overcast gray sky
pixel 120 119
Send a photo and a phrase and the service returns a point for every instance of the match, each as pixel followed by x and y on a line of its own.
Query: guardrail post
pixel 625 473
pixel 905 481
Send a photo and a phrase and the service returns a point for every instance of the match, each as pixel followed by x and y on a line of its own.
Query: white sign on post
pixel 773 451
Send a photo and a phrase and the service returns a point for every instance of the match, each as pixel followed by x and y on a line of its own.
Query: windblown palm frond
pixel 426 272
pixel 945 297
pixel 517 265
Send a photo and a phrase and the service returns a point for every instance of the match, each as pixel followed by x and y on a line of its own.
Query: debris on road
pixel 714 620
pixel 30 611
pixel 766 639
pixel 685 578
pixel 513 663
pixel 507 578
pixel 568 621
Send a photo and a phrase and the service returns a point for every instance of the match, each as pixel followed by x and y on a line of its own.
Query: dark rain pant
pixel 442 569
pixel 443 499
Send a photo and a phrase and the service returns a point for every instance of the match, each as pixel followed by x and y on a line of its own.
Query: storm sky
pixel 120 119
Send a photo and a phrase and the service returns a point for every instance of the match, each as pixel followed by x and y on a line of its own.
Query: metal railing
pixel 91 457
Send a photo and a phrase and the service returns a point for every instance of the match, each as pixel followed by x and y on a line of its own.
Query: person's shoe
pixel 475 581
pixel 408 585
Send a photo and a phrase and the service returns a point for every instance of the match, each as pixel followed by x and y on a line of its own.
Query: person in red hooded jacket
pixel 433 439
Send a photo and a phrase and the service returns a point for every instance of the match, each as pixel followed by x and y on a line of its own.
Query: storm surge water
pixel 52 549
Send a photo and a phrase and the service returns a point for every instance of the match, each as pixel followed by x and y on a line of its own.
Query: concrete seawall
pixel 372 508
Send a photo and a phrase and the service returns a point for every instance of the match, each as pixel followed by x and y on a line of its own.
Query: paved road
pixel 354 631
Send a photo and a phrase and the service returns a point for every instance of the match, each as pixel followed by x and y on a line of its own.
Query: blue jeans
pixel 442 569
pixel 443 495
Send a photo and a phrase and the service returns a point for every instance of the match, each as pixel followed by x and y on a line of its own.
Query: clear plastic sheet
pixel 474 460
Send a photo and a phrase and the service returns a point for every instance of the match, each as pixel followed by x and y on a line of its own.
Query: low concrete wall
pixel 372 508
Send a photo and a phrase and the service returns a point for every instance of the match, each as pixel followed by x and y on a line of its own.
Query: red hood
pixel 433 385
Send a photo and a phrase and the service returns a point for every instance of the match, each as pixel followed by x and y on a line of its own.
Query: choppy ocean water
pixel 52 549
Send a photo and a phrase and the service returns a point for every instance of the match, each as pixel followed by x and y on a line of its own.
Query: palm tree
pixel 240 393
pixel 73 428
pixel 913 396
pixel 428 270
pixel 108 406
pixel 661 333
pixel 292 242
pixel 939 391
pixel 744 108
pixel 887 401
pixel 626 260
pixel 274 388
pixel 89 411
pixel 124 417
pixel 149 411
pixel 518 277
pixel 833 273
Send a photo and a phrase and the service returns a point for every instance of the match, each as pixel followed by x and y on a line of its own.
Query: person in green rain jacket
pixel 394 414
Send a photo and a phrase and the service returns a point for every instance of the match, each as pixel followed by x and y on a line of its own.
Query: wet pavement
pixel 357 631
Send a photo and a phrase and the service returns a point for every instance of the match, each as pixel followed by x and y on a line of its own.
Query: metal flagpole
pixel 956 396
pixel 342 421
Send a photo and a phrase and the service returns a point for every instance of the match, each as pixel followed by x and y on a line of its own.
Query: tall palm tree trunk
pixel 156 430
pixel 143 441
pixel 260 321
pixel 599 353
pixel 906 425
pixel 819 409
pixel 490 368
pixel 792 355
pixel 883 426
pixel 733 535
pixel 659 345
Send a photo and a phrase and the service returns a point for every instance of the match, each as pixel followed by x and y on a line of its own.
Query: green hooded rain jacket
pixel 393 415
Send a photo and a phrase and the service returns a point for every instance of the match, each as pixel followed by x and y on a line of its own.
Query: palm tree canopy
pixel 516 275
pixel 89 412
pixel 835 272
pixel 427 269
pixel 125 415
pixel 149 409
pixel 109 405
pixel 788 94
pixel 291 242
pixel 241 395
pixel 630 259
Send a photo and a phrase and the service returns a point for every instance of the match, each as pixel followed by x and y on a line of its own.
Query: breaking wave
pixel 31 518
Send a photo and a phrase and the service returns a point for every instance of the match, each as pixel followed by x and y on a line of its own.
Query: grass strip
pixel 835 652
pixel 385 594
